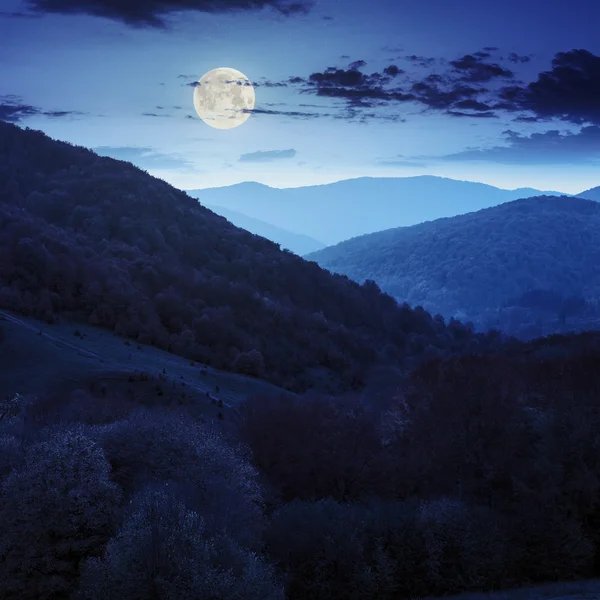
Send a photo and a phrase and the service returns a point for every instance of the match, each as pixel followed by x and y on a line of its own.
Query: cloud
pixel 421 61
pixel 458 90
pixel 145 158
pixel 13 110
pixel 400 161
pixel 513 57
pixel 267 155
pixel 357 64
pixel 153 13
pixel 473 85
pixel 354 86
pixel 285 113
pixel 473 68
pixel 550 147
pixel 570 91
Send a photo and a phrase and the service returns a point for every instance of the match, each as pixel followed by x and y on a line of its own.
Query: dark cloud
pixel 153 13
pixel 550 147
pixel 393 70
pixel 286 113
pixel 357 64
pixel 269 84
pixel 474 69
pixel 471 86
pixel 513 57
pixel 13 110
pixel 145 158
pixel 353 86
pixel 570 91
pixel 471 104
pixel 267 155
pixel 420 61
pixel 476 115
pixel 434 96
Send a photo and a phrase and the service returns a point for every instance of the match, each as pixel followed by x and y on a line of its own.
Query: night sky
pixel 506 93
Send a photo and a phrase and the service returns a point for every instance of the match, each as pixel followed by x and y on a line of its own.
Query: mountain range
pixel 101 242
pixel 335 212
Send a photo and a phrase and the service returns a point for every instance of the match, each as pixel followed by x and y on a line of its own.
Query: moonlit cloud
pixel 267 155
pixel 145 158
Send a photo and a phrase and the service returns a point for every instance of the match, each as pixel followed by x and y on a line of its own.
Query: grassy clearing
pixel 70 355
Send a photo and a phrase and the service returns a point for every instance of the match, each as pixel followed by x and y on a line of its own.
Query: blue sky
pixel 504 93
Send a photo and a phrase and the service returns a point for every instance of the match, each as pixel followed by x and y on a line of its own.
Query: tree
pixel 164 551
pixel 57 508
pixel 214 477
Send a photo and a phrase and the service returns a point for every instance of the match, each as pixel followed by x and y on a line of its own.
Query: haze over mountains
pixel 296 242
pixel 471 265
pixel 339 211
pixel 104 242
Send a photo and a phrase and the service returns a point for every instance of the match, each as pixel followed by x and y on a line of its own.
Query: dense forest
pixel 106 242
pixel 452 461
pixel 490 267
pixel 480 473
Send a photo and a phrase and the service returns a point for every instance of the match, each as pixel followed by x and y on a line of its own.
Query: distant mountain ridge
pixel 339 211
pixel 470 264
pixel 296 242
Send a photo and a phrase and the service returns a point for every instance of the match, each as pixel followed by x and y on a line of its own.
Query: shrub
pixel 249 363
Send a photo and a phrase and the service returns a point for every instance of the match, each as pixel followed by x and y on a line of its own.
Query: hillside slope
pixel 591 194
pixel 477 262
pixel 104 242
pixel 296 242
pixel 338 211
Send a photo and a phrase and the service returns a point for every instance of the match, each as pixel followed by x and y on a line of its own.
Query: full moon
pixel 223 98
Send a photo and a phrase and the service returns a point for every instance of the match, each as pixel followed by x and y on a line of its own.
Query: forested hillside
pixel 527 267
pixel 103 240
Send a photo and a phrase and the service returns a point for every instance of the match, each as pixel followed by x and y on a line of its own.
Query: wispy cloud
pixel 550 147
pixel 267 155
pixel 400 161
pixel 145 158
pixel 14 110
